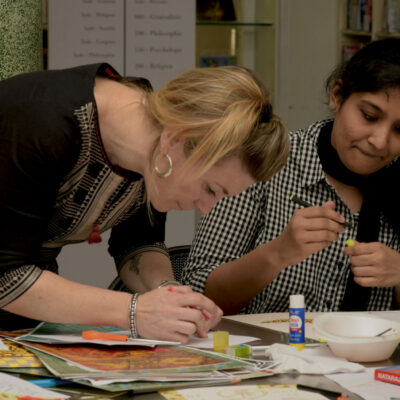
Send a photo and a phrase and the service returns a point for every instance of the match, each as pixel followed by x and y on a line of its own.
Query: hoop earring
pixel 332 108
pixel 168 171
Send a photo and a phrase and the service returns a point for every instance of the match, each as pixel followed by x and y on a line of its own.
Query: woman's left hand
pixel 374 264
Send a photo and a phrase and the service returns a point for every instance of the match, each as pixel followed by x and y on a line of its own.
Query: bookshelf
pixel 361 21
pixel 245 37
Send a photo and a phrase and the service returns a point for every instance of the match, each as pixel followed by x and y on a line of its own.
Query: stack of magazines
pixel 64 353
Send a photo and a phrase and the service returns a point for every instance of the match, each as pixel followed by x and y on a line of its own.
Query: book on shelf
pixel 388 374
pixel 350 49
pixel 391 16
pixel 359 15
pixel 216 61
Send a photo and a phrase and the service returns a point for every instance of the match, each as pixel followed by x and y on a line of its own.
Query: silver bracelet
pixel 132 316
pixel 165 283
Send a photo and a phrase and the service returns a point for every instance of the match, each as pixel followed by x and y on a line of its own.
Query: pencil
pixel 303 203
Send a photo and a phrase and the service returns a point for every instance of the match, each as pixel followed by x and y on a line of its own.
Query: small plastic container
pixel 220 341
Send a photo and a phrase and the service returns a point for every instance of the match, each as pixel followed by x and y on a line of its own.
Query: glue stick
pixel 297 321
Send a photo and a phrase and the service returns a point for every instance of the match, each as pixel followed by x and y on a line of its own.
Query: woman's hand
pixel 311 229
pixel 174 313
pixel 374 264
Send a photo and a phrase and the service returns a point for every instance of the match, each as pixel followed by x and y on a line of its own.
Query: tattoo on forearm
pixel 134 264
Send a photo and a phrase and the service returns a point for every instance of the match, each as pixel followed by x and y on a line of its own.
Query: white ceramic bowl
pixel 352 335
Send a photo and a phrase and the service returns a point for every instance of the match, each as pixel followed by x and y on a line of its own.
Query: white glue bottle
pixel 297 321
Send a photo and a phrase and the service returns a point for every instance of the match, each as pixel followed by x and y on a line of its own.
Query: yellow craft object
pixel 220 341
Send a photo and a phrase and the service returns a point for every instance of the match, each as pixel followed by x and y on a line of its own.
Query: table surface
pixel 268 336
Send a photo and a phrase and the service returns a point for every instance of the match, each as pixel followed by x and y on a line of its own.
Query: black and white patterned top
pixel 56 181
pixel 241 223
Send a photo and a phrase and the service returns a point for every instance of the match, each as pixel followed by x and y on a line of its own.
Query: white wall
pixel 307 51
pixel 91 263
pixel 88 263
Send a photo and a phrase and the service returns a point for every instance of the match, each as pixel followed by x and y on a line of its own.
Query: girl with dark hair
pixel 348 167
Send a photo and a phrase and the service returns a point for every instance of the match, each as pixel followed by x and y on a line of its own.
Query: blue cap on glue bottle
pixel 297 321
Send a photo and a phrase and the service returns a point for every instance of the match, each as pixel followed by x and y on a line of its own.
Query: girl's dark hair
pixel 373 68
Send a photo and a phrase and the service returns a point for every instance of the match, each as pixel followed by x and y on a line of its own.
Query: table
pixel 268 336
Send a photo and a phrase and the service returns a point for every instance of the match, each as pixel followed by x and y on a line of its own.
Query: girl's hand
pixel 374 264
pixel 311 229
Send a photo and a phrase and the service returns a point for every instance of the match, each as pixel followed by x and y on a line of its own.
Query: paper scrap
pixel 207 343
pixel 364 385
pixel 246 392
pixel 12 386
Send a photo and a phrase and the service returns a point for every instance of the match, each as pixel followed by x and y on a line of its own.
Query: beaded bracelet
pixel 132 316
pixel 165 283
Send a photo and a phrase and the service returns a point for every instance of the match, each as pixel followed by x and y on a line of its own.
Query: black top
pixel 56 182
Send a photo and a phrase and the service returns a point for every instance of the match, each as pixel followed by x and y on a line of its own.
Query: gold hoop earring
pixel 168 171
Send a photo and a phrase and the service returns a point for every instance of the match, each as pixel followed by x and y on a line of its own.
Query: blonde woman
pixel 83 151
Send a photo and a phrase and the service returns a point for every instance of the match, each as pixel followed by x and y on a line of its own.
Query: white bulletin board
pixel 149 38
pixel 86 32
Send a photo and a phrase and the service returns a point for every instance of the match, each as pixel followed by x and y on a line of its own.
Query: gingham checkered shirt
pixel 241 223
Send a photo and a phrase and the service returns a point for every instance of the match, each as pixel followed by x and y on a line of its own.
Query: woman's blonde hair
pixel 222 112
